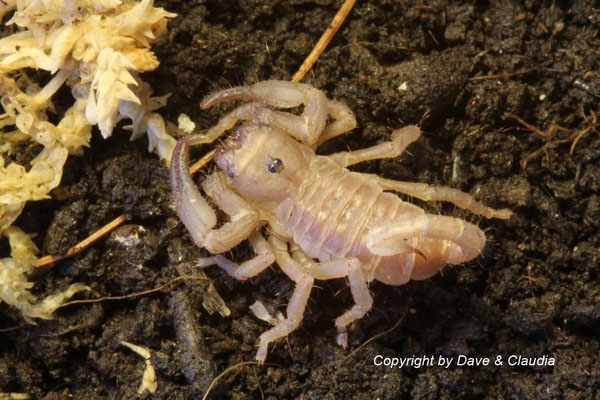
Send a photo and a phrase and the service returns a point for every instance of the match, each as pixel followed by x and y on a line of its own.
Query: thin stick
pixel 225 373
pixel 202 162
pixel 591 127
pixel 85 243
pixel 13 328
pixel 527 125
pixel 502 76
pixel 136 294
pixel 262 394
pixel 548 134
pixel 324 41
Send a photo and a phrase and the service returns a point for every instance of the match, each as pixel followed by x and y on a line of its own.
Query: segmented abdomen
pixel 329 217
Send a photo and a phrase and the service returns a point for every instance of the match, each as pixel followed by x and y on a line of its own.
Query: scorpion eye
pixel 275 166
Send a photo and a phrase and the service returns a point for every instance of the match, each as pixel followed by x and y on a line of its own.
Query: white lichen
pixel 185 123
pixel 97 48
pixel 14 286
pixel 149 382
pixel 260 311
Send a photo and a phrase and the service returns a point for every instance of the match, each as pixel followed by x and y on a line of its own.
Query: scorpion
pixel 324 221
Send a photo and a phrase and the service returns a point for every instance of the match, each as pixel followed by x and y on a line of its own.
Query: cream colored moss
pixel 97 48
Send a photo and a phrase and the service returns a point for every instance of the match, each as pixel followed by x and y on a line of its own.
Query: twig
pixel 325 39
pixel 502 76
pixel 548 134
pixel 202 162
pixel 214 381
pixel 591 127
pixel 12 328
pixel 262 394
pixel 85 243
pixel 136 294
pixel 527 125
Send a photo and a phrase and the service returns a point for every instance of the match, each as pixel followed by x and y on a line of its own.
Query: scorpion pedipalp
pixel 193 210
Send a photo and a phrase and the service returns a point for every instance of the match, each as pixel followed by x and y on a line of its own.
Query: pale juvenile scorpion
pixel 324 221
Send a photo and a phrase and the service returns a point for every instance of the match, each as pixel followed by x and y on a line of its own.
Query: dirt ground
pixel 474 74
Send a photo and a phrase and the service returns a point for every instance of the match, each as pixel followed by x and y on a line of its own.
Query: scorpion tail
pixel 466 240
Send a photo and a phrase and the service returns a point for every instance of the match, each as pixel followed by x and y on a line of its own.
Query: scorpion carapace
pixel 324 221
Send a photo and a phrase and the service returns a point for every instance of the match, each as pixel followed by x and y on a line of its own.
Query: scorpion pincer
pixel 324 221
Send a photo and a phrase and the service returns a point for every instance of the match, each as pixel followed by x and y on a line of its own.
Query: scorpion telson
pixel 324 221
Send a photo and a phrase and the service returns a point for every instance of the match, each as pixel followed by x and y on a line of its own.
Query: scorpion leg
pixel 440 193
pixel 245 112
pixel 303 270
pixel 306 127
pixel 390 237
pixel 244 218
pixel 247 269
pixel 363 300
pixel 400 139
pixel 340 268
pixel 344 121
pixel 297 304
pixel 197 215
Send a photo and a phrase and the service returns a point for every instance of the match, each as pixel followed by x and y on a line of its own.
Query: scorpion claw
pixel 193 210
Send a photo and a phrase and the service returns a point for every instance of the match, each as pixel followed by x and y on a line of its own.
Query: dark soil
pixel 535 292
